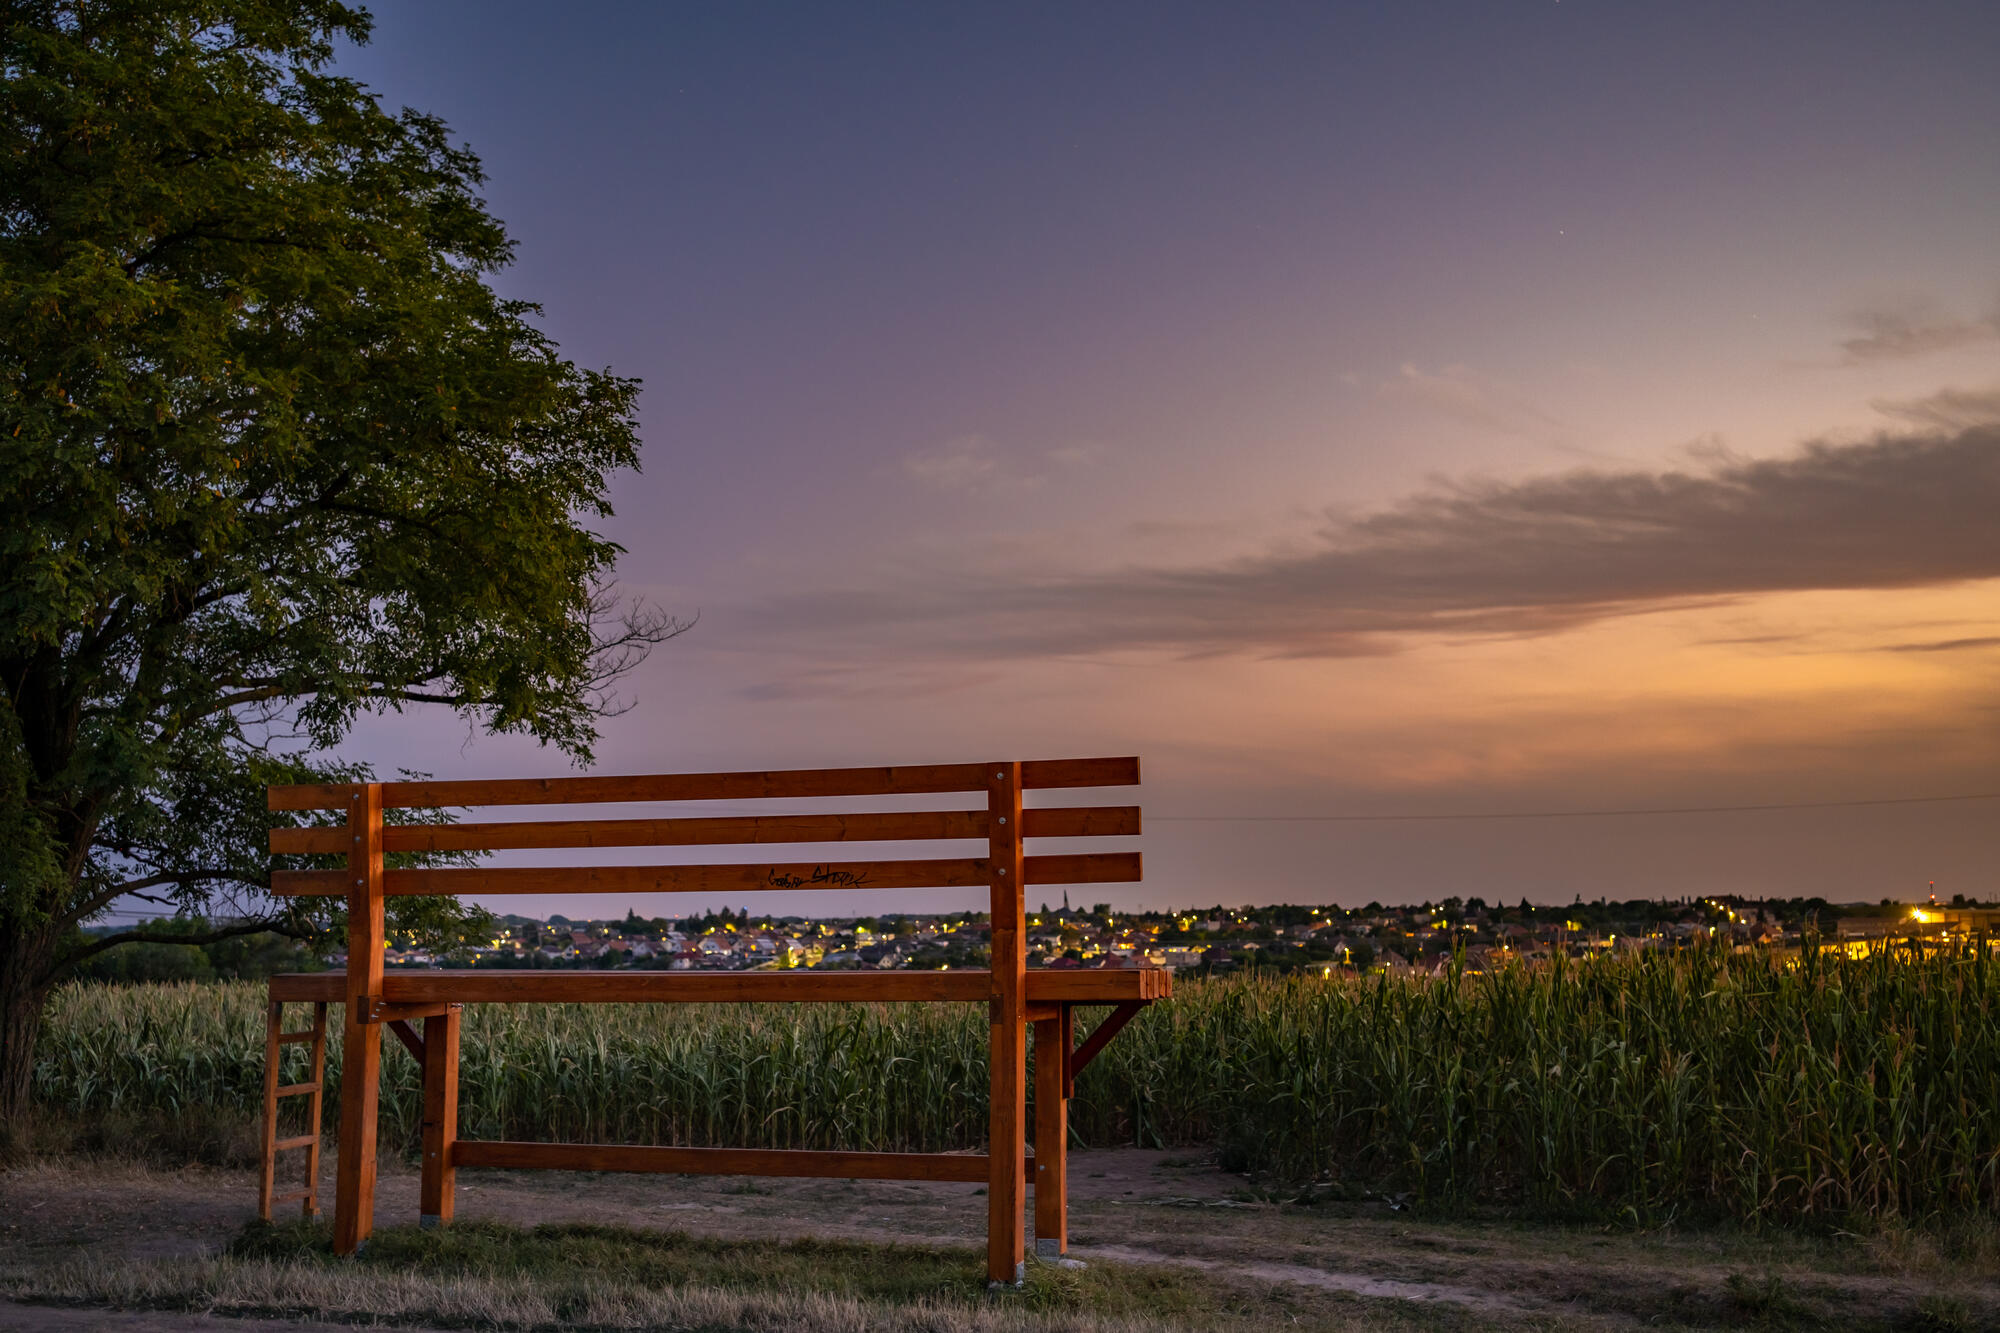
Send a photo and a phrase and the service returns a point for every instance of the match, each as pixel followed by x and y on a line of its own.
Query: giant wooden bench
pixel 1015 997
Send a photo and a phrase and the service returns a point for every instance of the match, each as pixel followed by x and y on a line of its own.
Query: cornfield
pixel 1753 1085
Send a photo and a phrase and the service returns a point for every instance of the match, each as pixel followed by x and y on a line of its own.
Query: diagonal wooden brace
pixel 1113 1024
pixel 408 1036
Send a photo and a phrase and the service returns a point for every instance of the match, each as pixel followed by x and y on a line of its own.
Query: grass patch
pixel 194 1135
pixel 490 1275
pixel 563 1252
pixel 1767 1301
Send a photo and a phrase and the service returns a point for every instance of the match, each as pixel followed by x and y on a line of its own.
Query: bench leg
pixel 315 1106
pixel 267 1162
pixel 354 1168
pixel 1052 1044
pixel 440 1115
pixel 1007 1182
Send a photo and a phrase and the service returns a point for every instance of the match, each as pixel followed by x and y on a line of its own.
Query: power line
pixel 1567 814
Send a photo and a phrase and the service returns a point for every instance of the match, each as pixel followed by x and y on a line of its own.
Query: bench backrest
pixel 368 833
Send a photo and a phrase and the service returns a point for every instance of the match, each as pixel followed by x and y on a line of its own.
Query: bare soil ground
pixel 1128 1207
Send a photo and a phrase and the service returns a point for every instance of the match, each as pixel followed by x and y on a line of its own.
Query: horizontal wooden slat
pixel 308 883
pixel 1099 985
pixel 777 784
pixel 892 826
pixel 297 1089
pixel 308 796
pixel 1079 821
pixel 1084 868
pixel 965 872
pixel 316 841
pixel 942 874
pixel 289 1038
pixel 801 783
pixel 505 986
pixel 386 1011
pixel 968 1168
pixel 543 986
pixel 1122 771
pixel 749 829
pixel 302 1141
pixel 294 1196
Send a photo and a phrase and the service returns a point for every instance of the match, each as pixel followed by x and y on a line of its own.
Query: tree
pixel 272 452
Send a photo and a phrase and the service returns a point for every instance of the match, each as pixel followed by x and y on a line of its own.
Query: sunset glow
pixel 1453 410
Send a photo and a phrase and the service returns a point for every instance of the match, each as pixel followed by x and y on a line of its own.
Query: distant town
pixel 1427 939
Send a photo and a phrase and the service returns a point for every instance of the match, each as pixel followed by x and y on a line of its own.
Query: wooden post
pixel 267 1167
pixel 1008 1045
pixel 1052 1043
pixel 440 1115
pixel 361 1035
pixel 310 1208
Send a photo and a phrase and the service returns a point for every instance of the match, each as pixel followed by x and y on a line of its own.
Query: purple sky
pixel 1412 409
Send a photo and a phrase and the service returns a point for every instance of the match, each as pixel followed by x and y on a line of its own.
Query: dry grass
pixel 490 1276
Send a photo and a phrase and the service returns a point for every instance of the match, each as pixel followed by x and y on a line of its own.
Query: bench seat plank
pixel 497 986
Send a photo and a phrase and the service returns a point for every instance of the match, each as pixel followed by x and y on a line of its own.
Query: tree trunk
pixel 24 991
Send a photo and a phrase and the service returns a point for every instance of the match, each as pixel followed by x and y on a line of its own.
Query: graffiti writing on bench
pixel 822 877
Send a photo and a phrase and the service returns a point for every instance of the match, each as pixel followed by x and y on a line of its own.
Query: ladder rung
pixel 301 1141
pixel 287 1038
pixel 294 1089
pixel 293 1197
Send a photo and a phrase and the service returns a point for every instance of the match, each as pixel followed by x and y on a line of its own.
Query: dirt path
pixel 1354 1284
pixel 1130 1206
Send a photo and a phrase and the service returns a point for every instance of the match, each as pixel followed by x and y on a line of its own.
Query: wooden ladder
pixel 275 1041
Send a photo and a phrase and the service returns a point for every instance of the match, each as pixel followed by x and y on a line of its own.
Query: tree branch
pixel 177 877
pixel 274 926
pixel 103 898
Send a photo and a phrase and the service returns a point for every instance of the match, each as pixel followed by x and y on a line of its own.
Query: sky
pixel 1417 410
